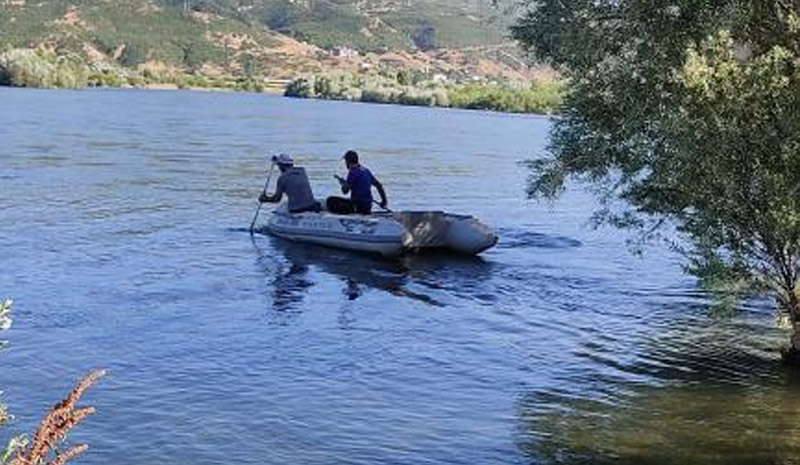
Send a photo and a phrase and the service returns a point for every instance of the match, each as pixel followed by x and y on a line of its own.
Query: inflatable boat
pixel 388 234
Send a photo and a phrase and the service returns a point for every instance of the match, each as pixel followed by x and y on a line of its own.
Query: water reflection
pixel 422 360
pixel 517 238
pixel 289 286
pixel 708 395
pixel 429 279
pixel 688 424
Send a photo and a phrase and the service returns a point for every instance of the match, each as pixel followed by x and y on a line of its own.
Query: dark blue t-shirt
pixel 361 180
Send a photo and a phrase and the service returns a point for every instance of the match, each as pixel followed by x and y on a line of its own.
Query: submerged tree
pixel 683 113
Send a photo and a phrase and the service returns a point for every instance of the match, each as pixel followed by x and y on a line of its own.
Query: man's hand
pixel 263 198
pixel 343 184
pixel 384 203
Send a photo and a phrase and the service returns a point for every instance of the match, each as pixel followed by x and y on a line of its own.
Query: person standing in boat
pixel 293 182
pixel 359 185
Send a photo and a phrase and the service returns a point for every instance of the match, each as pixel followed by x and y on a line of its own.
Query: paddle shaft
pixel 384 208
pixel 266 186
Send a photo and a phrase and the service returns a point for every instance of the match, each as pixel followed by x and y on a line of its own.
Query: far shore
pixel 281 92
pixel 164 86
pixel 42 69
pixel 45 69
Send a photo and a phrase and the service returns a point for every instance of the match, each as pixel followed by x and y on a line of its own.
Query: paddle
pixel 266 186
pixel 386 209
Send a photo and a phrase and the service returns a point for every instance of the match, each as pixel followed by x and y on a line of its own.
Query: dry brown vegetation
pixel 55 426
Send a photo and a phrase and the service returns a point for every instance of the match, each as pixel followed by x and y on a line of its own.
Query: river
pixel 123 219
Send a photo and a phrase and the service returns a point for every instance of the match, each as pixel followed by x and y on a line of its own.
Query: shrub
pixel 41 69
pixel 413 88
pixel 54 427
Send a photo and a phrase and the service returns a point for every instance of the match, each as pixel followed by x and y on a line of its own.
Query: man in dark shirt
pixel 359 185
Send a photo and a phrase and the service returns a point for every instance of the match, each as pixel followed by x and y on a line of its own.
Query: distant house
pixel 344 52
pixel 439 78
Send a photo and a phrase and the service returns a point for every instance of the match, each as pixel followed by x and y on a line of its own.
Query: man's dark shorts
pixel 343 206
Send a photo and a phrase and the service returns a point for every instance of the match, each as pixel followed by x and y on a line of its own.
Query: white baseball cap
pixel 283 159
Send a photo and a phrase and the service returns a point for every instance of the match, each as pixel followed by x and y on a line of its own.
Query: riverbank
pixel 191 81
pixel 405 88
pixel 45 69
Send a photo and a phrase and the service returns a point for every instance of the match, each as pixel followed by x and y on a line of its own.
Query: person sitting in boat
pixel 359 185
pixel 293 182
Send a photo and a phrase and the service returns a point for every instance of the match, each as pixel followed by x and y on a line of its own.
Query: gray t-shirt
pixel 294 183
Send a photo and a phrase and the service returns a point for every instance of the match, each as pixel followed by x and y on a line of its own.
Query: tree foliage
pixel 686 113
pixel 133 54
pixel 425 38
pixel 42 69
pixel 406 87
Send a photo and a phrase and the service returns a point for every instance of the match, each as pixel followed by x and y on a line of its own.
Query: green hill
pixel 234 34
pixel 375 24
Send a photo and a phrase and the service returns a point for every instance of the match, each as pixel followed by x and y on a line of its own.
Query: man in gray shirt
pixel 294 183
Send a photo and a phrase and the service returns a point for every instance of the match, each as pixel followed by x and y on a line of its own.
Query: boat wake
pixel 522 239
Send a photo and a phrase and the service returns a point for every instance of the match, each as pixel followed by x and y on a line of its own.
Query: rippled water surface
pixel 123 220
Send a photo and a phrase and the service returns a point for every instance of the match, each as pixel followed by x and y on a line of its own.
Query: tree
pixel 249 66
pixel 424 38
pixel 684 114
pixel 134 54
pixel 404 77
pixel 281 17
pixel 190 55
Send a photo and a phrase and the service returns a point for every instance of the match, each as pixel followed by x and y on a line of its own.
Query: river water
pixel 123 241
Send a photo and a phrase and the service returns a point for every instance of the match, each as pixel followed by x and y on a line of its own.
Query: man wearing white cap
pixel 294 183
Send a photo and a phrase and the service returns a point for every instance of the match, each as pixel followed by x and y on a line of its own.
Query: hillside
pixel 277 39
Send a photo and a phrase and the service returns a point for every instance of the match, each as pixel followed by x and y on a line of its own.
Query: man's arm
pixel 381 191
pixel 274 198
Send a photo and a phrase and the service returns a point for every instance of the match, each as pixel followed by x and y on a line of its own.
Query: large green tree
pixel 683 114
